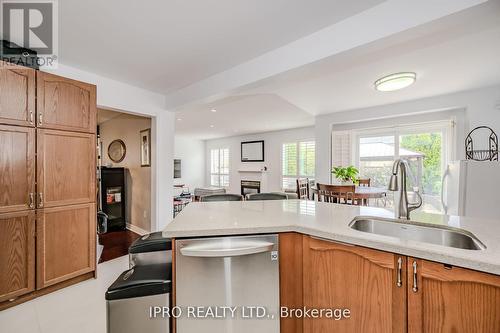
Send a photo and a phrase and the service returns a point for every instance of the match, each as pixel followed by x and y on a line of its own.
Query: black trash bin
pixel 130 298
pixel 151 249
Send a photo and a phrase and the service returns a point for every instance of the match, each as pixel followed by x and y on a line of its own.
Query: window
pixel 219 167
pixel 298 161
pixel 425 147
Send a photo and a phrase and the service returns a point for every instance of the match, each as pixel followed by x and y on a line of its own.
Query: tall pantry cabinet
pixel 47 183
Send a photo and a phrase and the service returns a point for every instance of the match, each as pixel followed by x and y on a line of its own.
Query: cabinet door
pixel 65 243
pixel 450 299
pixel 17 254
pixel 17 95
pixel 17 168
pixel 65 168
pixel 65 104
pixel 362 280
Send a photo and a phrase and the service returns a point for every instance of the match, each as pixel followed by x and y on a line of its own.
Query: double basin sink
pixel 421 232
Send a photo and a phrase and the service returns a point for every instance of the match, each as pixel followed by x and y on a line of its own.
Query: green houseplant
pixel 346 174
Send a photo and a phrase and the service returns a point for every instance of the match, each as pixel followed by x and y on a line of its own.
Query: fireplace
pixel 250 186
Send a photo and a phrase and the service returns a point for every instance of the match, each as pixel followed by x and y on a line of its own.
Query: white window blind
pixel 219 167
pixel 298 161
pixel 341 148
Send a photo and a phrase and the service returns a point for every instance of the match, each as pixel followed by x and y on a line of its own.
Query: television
pixel 252 151
pixel 177 168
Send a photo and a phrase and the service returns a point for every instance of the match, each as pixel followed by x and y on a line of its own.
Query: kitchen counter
pixel 330 221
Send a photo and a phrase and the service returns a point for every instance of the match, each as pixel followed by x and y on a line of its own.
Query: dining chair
pixel 342 194
pixel 221 197
pixel 364 182
pixel 267 196
pixel 303 188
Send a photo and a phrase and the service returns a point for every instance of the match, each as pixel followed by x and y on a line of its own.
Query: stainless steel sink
pixel 421 232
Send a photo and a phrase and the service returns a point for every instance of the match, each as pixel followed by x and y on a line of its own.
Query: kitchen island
pixel 388 283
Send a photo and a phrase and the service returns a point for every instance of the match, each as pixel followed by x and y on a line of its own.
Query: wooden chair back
pixel 342 194
pixel 303 188
pixel 365 182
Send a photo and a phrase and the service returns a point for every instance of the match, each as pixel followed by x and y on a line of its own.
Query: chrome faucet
pixel 402 208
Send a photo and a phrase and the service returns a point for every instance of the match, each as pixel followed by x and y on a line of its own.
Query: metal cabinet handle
pixel 30 119
pixel 40 200
pixel 31 202
pixel 40 118
pixel 400 271
pixel 415 287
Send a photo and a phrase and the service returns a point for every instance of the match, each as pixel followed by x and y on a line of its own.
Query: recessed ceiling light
pixel 213 110
pixel 179 119
pixel 212 126
pixel 395 81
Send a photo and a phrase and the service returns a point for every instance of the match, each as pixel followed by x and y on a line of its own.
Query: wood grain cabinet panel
pixel 362 280
pixel 65 104
pixel 17 168
pixel 17 254
pixel 66 246
pixel 290 249
pixel 451 299
pixel 17 95
pixel 65 168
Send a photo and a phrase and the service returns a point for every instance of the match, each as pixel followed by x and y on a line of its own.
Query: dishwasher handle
pixel 211 249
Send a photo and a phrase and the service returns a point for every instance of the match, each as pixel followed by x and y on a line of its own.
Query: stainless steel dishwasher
pixel 237 272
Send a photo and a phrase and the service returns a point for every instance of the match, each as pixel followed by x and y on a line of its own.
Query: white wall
pixel 273 142
pixel 127 127
pixel 479 107
pixel 124 97
pixel 191 152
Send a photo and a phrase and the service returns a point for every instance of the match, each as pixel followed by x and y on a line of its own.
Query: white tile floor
pixel 80 308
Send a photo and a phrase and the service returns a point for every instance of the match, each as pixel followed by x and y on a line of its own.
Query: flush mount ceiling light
pixel 214 110
pixel 395 81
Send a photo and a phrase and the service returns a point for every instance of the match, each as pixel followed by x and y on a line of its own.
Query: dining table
pixel 361 193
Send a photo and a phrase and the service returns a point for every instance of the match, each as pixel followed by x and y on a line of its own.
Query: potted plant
pixel 346 175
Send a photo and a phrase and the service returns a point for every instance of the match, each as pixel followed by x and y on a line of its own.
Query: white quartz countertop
pixel 330 221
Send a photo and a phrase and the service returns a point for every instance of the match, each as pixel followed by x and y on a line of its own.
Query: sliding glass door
pixel 425 147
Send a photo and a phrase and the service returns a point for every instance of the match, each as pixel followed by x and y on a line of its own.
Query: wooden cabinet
pixel 384 292
pixel 47 163
pixel 65 168
pixel 443 299
pixel 17 95
pixel 17 168
pixel 362 280
pixel 65 104
pixel 66 246
pixel 17 254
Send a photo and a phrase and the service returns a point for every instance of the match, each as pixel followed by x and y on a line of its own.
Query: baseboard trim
pixel 136 229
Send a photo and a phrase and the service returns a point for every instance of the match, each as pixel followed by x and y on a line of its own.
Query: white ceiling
pixel 104 115
pixel 460 52
pixel 164 45
pixel 241 115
